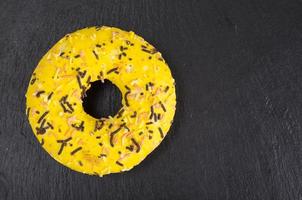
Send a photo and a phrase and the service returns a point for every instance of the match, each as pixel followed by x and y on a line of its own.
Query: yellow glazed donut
pixel 58 85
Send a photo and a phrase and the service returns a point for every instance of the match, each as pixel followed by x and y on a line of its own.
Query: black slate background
pixel 237 130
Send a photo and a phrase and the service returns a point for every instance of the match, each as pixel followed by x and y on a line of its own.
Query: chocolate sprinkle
pixel 88 79
pixel 113 133
pixel 77 56
pixel 120 164
pixel 134 114
pixel 130 148
pixel 138 148
pixel 166 89
pixel 119 114
pixel 39 93
pixel 161 132
pixel 42 116
pixel 112 70
pixel 126 98
pixel 80 163
pixel 98 45
pixel 98 125
pixel 76 150
pixel 64 102
pixel 127 87
pixel 33 80
pixel 95 54
pixel 42 142
pixel 162 106
pixel 50 95
pixel 102 155
pixel 79 81
pixel 79 127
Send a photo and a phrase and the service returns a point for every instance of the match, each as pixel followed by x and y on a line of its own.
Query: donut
pixel 59 83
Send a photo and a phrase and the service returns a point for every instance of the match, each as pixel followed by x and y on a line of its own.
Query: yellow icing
pixel 76 139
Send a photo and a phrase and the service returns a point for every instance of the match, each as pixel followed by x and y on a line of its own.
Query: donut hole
pixel 102 99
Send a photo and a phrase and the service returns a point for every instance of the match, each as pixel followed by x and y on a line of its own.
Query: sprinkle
pixel 95 54
pixel 39 93
pixel 42 142
pixel 112 70
pixel 79 81
pixel 50 95
pixel 160 59
pixel 140 133
pixel 110 126
pixel 101 144
pixel 155 117
pixel 148 123
pixel 61 54
pixel 147 87
pixel 37 112
pixel 80 163
pixel 161 132
pixel 50 125
pixel 130 148
pixel 150 131
pixel 98 137
pixel 42 116
pixel 63 102
pixel 138 148
pixel 150 57
pixel 128 42
pixel 76 150
pixel 143 46
pixel 152 112
pixel 119 114
pixel 134 114
pixel 126 98
pixel 33 81
pixel 120 164
pixel 113 133
pixel 79 127
pixel 98 125
pixel 88 79
pixel 64 141
pixel 98 45
pixel 102 155
pixel 77 56
pixel 150 137
pixel 127 87
pixel 119 152
pixel 82 74
pixel 162 106
pixel 166 89
pixel 158 116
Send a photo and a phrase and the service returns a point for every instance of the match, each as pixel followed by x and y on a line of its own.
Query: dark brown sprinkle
pixel 162 106
pixel 40 130
pixel 37 112
pixel 82 74
pixel 101 144
pixel 50 95
pixel 142 93
pixel 79 81
pixel 27 112
pixel 79 127
pixel 146 50
pixel 161 132
pixel 95 54
pixel 80 163
pixel 134 114
pixel 152 112
pixel 138 148
pixel 119 152
pixel 126 98
pixel 64 141
pixel 111 41
pixel 42 116
pixel 102 155
pixel 147 87
pixel 120 56
pixel 98 45
pixel 50 125
pixel 120 164
pixel 59 130
pixel 112 70
pixel 115 132
pixel 110 125
pixel 121 48
pixel 33 80
pixel 42 142
pixel 104 44
pixel 129 58
pixel 98 125
pixel 126 127
pixel 166 89
pixel 127 87
pixel 70 144
pixel 140 133
pixel 124 54
pixel 158 116
pixel 98 137
pixel 130 148
pixel 76 150
pixel 120 113
pixel 61 148
pixel 132 44
pixel 150 57
pixel 155 117
pixel 88 79
pixel 148 123
pixel 150 131
pixel 143 46
pixel 127 42
pixel 77 56
pixel 150 137
pixel 61 54
pixel 39 93
pixel 77 69
pixel 151 84
pixel 64 103
pixel 160 59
